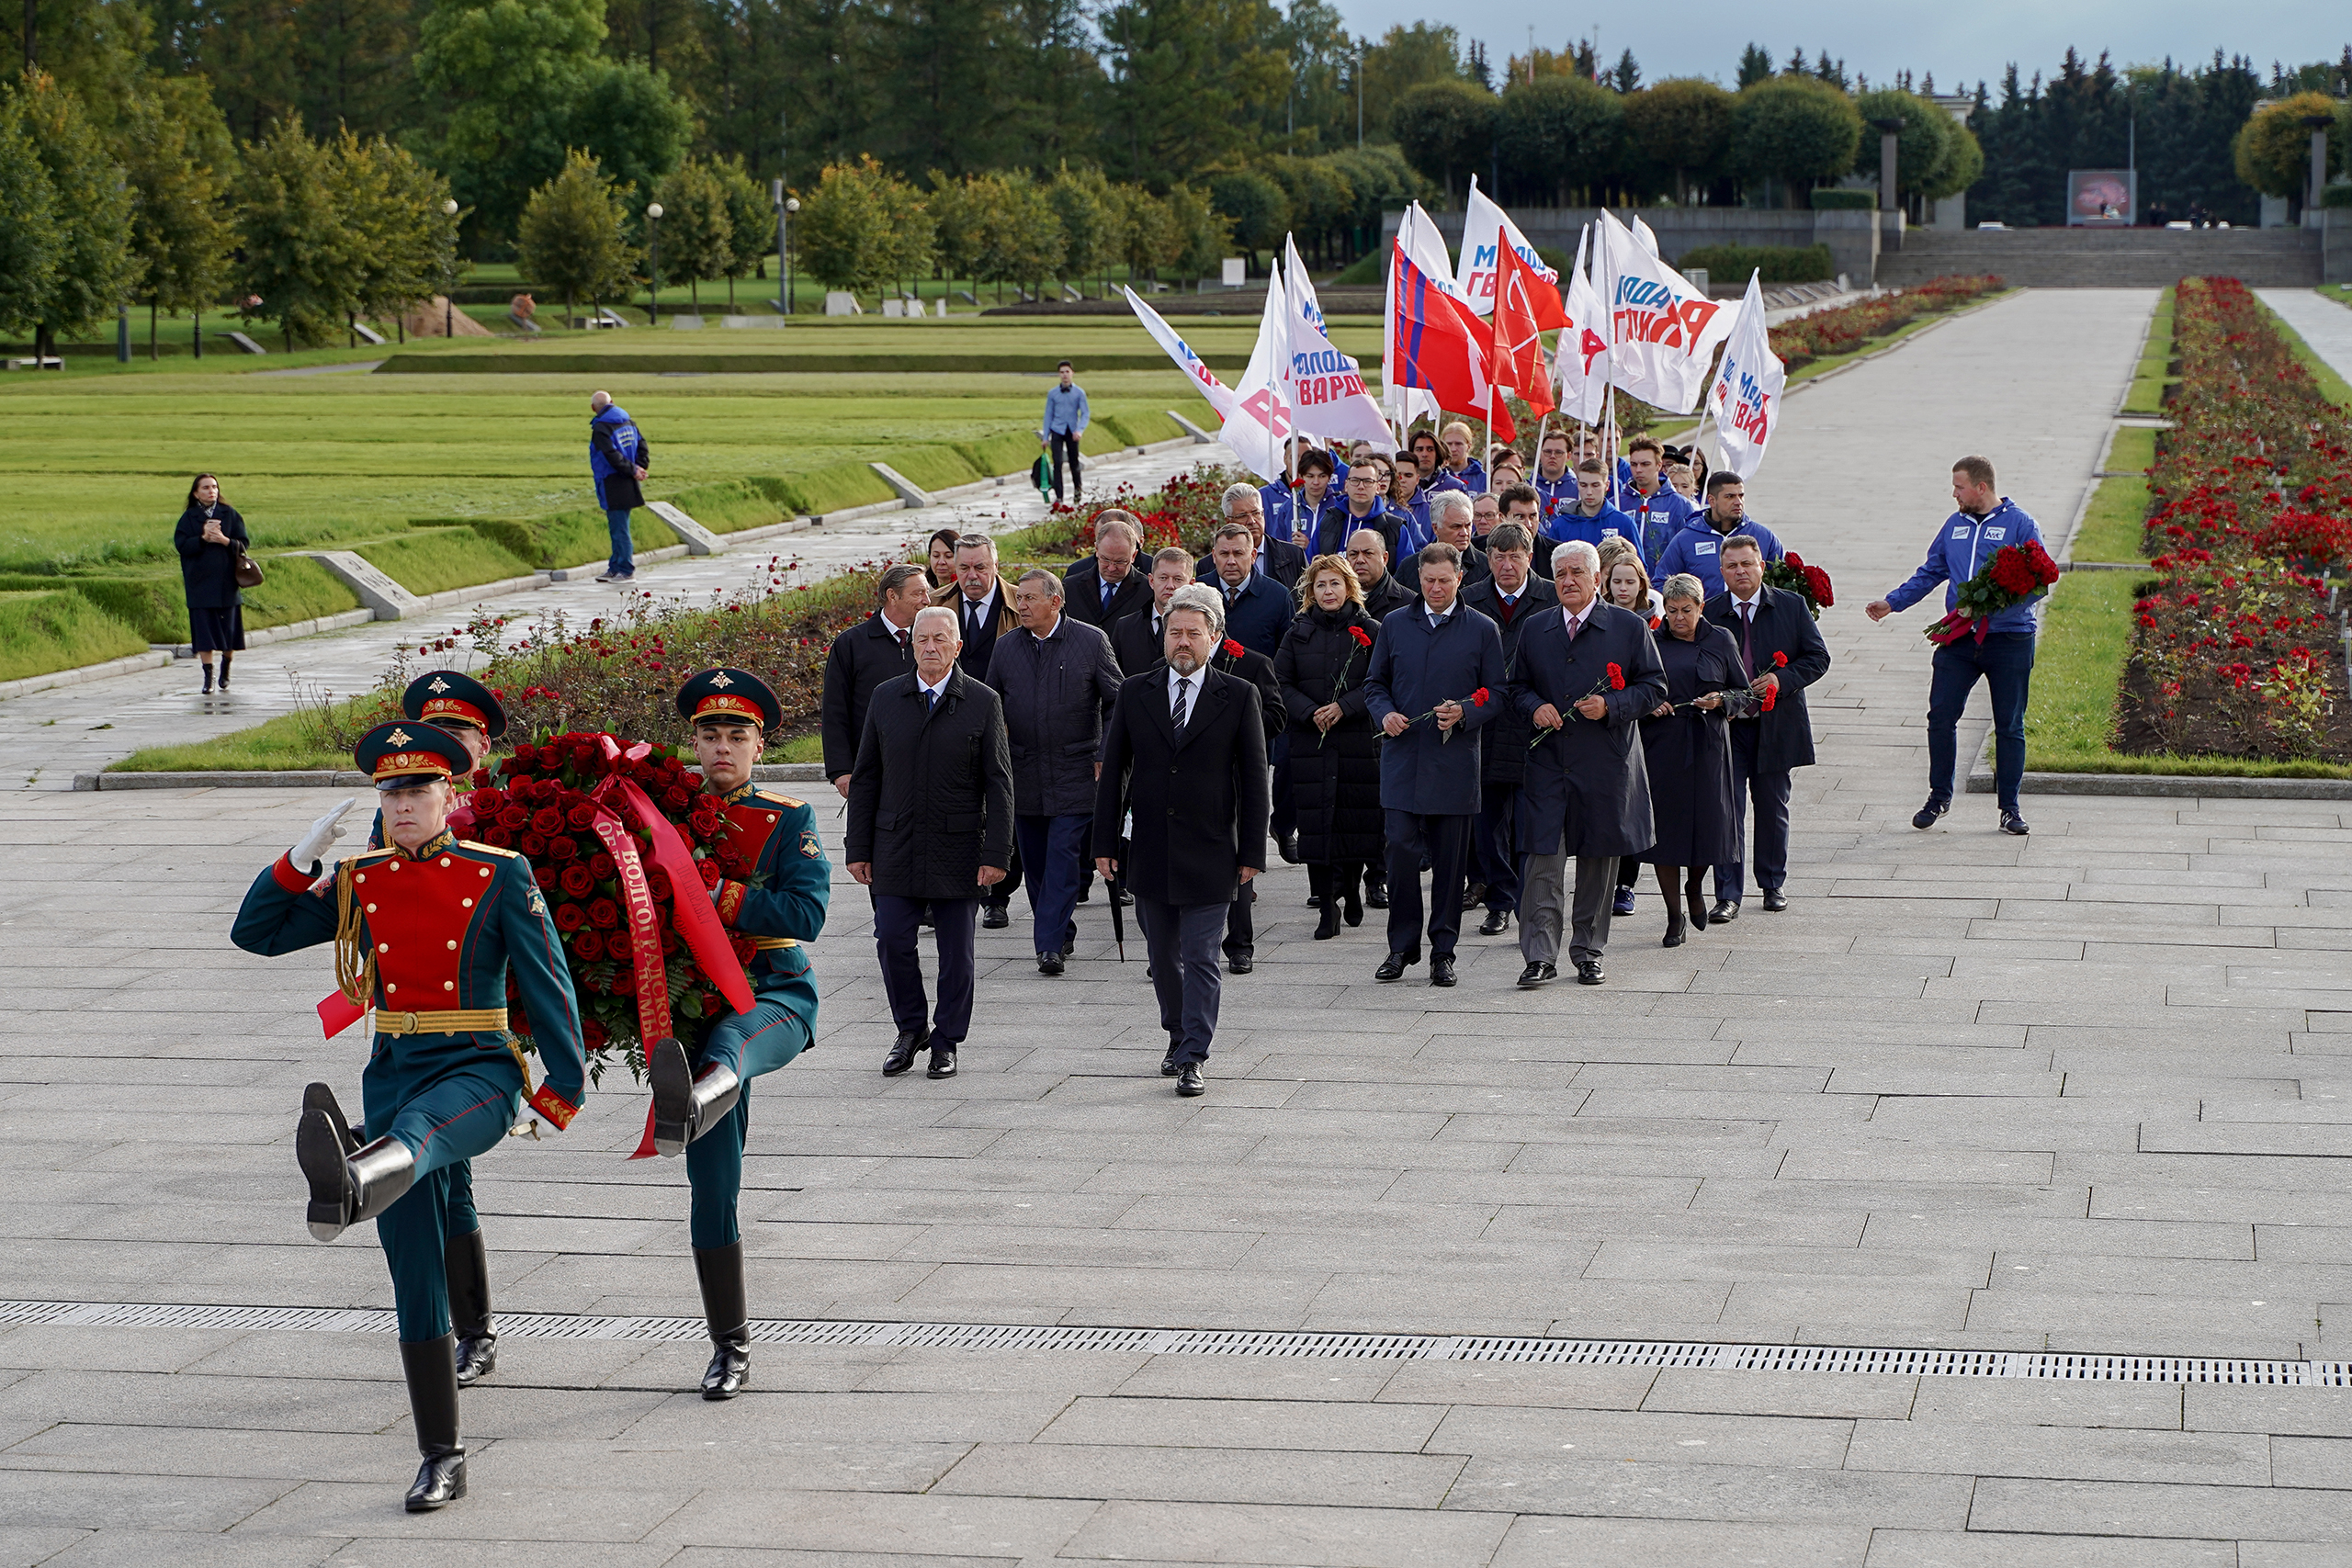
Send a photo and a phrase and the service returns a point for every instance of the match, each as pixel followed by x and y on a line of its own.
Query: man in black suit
pixel 868 654
pixel 1368 558
pixel 1136 641
pixel 1277 558
pixel 1510 597
pixel 1587 790
pixel 1782 652
pixel 1185 758
pixel 983 609
pixel 1106 587
pixel 1258 609
pixel 1451 521
pixel 930 827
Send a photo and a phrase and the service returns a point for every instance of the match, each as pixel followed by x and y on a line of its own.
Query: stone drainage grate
pixel 2058 1366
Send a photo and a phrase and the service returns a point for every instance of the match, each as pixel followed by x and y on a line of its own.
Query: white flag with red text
pixel 1662 331
pixel 1745 396
pixel 1260 422
pixel 1323 386
pixel 1219 395
pixel 1580 358
pixel 1486 231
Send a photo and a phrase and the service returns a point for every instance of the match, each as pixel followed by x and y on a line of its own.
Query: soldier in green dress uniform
pixel 702 1103
pixel 429 930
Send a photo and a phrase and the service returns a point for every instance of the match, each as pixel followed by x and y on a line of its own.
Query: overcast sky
pixel 1958 43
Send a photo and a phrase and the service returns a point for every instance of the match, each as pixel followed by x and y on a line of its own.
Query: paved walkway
pixel 2325 326
pixel 2082 1092
pixel 80 729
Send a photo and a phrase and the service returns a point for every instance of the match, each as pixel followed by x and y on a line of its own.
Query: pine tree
pixel 1755 65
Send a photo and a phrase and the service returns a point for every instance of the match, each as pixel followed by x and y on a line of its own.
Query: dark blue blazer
pixel 1783 625
pixel 1259 616
pixel 1587 789
pixel 1415 667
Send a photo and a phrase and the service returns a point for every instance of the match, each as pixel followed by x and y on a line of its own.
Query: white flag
pixel 1580 360
pixel 1641 233
pixel 1323 386
pixel 1745 396
pixel 1662 331
pixel 1260 422
pixel 1486 230
pixel 1219 396
pixel 1425 248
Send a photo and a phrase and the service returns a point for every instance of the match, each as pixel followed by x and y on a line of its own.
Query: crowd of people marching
pixel 1467 675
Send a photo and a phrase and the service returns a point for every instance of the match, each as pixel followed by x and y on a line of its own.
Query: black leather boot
pixel 431 1368
pixel 348 1185
pixel 686 1104
pixel 719 1272
pixel 466 1259
pixel 319 1097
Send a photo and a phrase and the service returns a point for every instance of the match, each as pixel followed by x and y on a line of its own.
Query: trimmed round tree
pixel 2273 147
pixel 1682 129
pixel 573 236
pixel 1446 130
pixel 1560 133
pixel 1922 147
pixel 1795 129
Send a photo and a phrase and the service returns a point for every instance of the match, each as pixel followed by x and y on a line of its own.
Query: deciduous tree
pixel 574 235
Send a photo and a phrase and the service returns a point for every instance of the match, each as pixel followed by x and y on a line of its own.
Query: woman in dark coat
pixel 210 539
pixel 1334 752
pixel 1686 742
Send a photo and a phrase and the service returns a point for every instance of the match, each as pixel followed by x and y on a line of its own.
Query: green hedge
pixel 2336 195
pixel 1843 198
pixel 53 629
pixel 1779 264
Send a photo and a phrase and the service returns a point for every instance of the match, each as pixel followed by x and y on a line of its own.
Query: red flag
pixel 1443 347
pixel 1518 357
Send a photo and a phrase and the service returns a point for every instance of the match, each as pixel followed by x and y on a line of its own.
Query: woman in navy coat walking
pixel 1686 741
pixel 211 540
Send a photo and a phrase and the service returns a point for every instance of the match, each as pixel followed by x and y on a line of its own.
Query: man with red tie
pixel 1783 653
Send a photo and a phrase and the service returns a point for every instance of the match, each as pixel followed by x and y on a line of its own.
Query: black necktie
pixel 930 699
pixel 1747 637
pixel 1183 701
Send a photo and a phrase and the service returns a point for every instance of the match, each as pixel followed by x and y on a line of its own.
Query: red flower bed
pixel 1848 327
pixel 2232 643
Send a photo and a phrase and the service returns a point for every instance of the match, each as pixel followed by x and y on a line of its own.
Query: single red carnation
pixel 1616 677
pixel 1779 659
pixel 1479 698
pixel 576 882
pixel 1363 638
pixel 1232 648
pixel 604 914
pixel 1771 697
pixel 570 917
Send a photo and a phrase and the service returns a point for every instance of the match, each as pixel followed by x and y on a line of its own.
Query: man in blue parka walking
pixel 618 457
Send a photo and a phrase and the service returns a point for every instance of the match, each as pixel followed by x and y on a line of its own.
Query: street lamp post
pixel 449 277
pixel 783 247
pixel 653 229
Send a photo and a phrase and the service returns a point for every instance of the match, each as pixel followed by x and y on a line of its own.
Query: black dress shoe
pixel 1442 969
pixel 1697 899
pixel 1926 816
pixel 1376 898
pixel 1168 1068
pixel 1497 922
pixel 995 917
pixel 1239 964
pixel 1537 974
pixel 1775 900
pixel 1588 973
pixel 942 1062
pixel 1725 911
pixel 1188 1082
pixel 903 1051
pixel 1393 967
pixel 1288 845
pixel 2013 823
pixel 1314 900
pixel 1473 894
pixel 1049 964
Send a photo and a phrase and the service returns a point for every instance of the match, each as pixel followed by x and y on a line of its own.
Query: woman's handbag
pixel 248 570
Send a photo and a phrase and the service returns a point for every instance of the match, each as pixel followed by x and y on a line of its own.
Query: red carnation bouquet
pixel 2015 574
pixel 1810 584
pixel 615 831
pixel 1476 699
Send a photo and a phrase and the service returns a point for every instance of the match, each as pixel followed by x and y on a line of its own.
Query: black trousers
pixel 894 921
pixel 1445 840
pixel 1182 939
pixel 1241 924
pixel 1066 445
pixel 1492 841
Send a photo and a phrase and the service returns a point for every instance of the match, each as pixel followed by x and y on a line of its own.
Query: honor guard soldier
pixel 451 700
pixel 442 926
pixel 702 1102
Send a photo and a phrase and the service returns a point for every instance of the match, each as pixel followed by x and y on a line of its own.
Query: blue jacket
pixel 1657 517
pixel 615 442
pixel 1282 518
pixel 1961 547
pixel 1554 495
pixel 1473 479
pixel 1335 523
pixel 1693 550
pixel 1608 523
pixel 1259 617
pixel 1066 411
pixel 1414 668
pixel 1415 531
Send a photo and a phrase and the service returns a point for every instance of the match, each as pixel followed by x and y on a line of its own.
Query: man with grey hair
pixel 1106 586
pixel 617 460
pixel 877 648
pixel 1453 514
pixel 1584 674
pixel 1058 679
pixel 1184 761
pixel 1277 558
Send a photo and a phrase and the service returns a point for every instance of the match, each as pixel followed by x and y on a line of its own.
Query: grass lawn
pixel 2077 667
pixel 2339 292
pixel 2115 525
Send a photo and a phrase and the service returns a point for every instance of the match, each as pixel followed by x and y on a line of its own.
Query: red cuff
pixel 729 902
pixel 553 1106
pixel 289 875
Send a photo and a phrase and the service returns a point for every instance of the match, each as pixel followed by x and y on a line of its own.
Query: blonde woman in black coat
pixel 1334 752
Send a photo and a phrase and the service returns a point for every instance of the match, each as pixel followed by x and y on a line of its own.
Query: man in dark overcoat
pixel 1136 640
pixel 1586 791
pixel 1781 651
pixel 1510 598
pixel 1184 780
pixel 930 826
pixel 1437 667
pixel 1106 586
pixel 875 651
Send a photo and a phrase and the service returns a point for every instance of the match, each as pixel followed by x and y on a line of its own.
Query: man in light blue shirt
pixel 1065 421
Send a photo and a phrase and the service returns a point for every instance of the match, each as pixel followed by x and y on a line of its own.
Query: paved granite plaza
pixel 2085 1093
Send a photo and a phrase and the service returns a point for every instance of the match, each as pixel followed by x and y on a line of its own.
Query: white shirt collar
pixel 1196 677
pixel 1446 614
pixel 1756 598
pixel 941 689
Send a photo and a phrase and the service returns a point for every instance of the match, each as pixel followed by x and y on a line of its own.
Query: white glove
pixel 324 832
